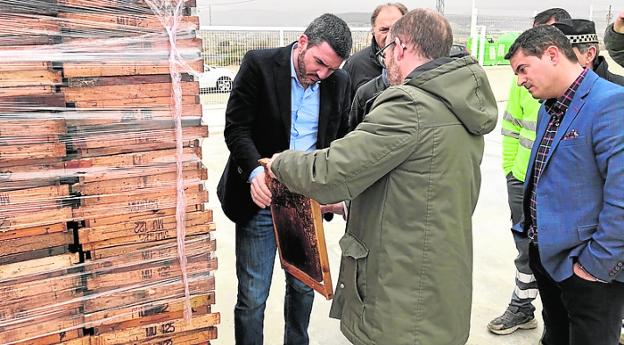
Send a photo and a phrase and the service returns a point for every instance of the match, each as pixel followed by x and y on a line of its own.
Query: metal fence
pixel 226 45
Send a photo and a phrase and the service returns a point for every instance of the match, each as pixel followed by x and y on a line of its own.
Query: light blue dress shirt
pixel 304 115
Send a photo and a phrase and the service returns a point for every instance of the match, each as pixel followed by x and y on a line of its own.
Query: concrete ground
pixel 494 250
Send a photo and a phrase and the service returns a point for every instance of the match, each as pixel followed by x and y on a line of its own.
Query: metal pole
pixel 591 12
pixel 473 30
pixel 209 14
pixel 482 45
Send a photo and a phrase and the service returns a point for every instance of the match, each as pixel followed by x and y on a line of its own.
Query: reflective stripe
pixel 530 125
pixel 526 143
pixel 509 133
pixel 526 294
pixel 507 116
pixel 525 278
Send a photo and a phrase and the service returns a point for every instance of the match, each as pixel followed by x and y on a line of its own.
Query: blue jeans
pixel 255 257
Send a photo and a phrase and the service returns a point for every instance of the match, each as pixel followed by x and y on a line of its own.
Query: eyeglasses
pixel 381 55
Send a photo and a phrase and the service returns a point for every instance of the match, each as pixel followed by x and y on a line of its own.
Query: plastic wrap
pixel 104 234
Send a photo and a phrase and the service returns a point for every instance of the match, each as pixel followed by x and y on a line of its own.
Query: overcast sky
pixel 276 12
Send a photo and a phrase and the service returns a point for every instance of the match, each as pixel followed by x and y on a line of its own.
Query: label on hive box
pixel 144 205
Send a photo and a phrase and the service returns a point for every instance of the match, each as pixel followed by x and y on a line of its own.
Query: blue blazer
pixel 580 194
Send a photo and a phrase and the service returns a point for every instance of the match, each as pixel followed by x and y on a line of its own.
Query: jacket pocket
pixel 355 255
pixel 585 232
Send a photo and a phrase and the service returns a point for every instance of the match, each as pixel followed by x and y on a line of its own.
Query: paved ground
pixel 493 248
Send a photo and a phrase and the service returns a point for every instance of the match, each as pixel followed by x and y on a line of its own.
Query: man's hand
pixel 580 272
pixel 260 193
pixel 268 166
pixel 618 24
pixel 336 208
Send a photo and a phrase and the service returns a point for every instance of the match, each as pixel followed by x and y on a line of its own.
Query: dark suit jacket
pixel 257 121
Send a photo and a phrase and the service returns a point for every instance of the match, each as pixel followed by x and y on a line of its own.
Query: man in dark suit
pixel 294 97
pixel 574 214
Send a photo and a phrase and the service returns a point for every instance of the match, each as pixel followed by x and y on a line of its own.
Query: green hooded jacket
pixel 614 41
pixel 411 171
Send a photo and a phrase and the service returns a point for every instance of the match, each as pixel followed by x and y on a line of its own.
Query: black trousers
pixel 576 311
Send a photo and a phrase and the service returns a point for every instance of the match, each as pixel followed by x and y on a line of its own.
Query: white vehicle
pixel 215 79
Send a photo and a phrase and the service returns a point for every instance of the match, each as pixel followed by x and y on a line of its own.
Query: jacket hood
pixel 462 85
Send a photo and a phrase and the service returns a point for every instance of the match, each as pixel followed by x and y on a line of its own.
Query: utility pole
pixel 609 15
pixel 440 6
pixel 209 14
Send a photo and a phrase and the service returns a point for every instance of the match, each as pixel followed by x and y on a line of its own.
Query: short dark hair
pixel 333 30
pixel 399 6
pixel 535 41
pixel 558 14
pixel 428 30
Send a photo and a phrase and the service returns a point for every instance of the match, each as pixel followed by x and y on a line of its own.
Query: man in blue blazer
pixel 294 97
pixel 574 191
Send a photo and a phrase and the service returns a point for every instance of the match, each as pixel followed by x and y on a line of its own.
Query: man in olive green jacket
pixel 614 39
pixel 411 169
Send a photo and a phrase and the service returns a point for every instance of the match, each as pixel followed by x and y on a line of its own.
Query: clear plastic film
pixel 103 225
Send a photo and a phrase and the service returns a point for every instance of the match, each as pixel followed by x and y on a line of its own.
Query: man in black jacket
pixel 582 35
pixel 293 97
pixel 363 65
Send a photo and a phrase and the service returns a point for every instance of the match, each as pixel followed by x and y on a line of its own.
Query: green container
pixel 495 48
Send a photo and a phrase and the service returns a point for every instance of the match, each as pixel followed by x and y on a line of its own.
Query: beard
pixel 304 78
pixel 394 74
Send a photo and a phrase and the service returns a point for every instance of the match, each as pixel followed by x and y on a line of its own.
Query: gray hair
pixel 428 30
pixel 399 6
pixel 333 30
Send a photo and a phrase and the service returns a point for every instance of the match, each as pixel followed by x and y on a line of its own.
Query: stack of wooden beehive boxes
pixel 88 170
